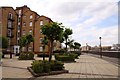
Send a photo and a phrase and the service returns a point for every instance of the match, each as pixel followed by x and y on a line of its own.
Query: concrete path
pixel 84 67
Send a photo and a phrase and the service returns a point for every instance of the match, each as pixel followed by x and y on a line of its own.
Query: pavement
pixel 86 66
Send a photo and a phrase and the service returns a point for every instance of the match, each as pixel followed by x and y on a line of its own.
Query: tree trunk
pixel 27 48
pixel 43 53
pixel 66 45
pixel 51 50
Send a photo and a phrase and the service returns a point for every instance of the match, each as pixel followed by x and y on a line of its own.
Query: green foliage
pixel 77 45
pixel 44 42
pixel 56 65
pixel 74 55
pixel 53 31
pixel 64 57
pixel 3 42
pixel 42 55
pixel 26 56
pixel 26 40
pixel 66 34
pixel 37 66
pixel 45 66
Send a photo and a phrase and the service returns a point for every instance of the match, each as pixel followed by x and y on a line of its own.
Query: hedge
pixel 64 57
pixel 45 66
pixel 26 56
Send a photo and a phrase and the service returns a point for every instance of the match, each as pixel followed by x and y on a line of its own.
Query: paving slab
pixel 85 67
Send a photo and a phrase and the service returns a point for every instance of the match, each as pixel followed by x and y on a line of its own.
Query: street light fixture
pixel 100 47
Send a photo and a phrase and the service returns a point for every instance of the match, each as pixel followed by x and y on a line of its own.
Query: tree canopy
pixel 53 31
pixel 3 42
pixel 26 40
pixel 66 34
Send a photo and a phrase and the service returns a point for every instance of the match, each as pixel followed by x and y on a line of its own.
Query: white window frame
pixel 20 12
pixel 23 33
pixel 31 16
pixel 30 31
pixel 30 23
pixel 10 15
pixel 41 48
pixel 40 31
pixel 41 22
pixel 41 40
pixel 9 24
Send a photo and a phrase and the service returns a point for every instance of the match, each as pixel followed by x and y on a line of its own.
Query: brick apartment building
pixel 21 21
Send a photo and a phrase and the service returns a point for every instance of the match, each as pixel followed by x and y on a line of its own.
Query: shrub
pixel 37 66
pixel 64 57
pixel 41 55
pixel 74 55
pixel 56 65
pixel 26 56
pixel 76 52
pixel 45 66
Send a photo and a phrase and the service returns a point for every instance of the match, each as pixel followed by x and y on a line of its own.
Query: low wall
pixel 114 54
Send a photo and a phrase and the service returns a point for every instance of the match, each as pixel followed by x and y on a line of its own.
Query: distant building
pixel 116 47
pixel 85 48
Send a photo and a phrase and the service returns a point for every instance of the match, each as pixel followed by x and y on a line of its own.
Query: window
pixel 30 31
pixel 24 24
pixel 31 16
pixel 40 31
pixel 29 48
pixel 10 15
pixel 41 48
pixel 18 27
pixel 30 23
pixel 9 24
pixel 19 19
pixel 9 32
pixel 41 23
pixel 41 39
pixel 19 11
pixel 23 48
pixel 23 33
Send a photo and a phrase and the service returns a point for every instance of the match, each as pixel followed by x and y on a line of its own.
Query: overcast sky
pixel 88 20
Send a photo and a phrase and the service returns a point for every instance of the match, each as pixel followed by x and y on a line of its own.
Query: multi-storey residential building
pixel 23 21
pixel 8 22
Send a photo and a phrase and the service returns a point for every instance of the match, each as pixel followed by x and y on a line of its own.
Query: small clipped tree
pixel 53 31
pixel 77 45
pixel 66 34
pixel 26 40
pixel 70 43
pixel 44 42
pixel 3 43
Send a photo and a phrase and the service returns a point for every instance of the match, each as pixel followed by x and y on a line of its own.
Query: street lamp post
pixel 100 47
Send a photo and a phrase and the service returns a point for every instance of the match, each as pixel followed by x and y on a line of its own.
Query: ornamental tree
pixel 53 31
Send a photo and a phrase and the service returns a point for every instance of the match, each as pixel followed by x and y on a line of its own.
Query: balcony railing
pixel 11 18
pixel 11 26
pixel 10 35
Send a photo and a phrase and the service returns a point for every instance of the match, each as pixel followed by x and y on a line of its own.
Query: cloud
pixel 82 17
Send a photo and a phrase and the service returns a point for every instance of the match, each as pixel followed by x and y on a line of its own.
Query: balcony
pixel 10 35
pixel 11 18
pixel 10 26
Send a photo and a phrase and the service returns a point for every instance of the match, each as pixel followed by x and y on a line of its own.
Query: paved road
pixel 86 66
